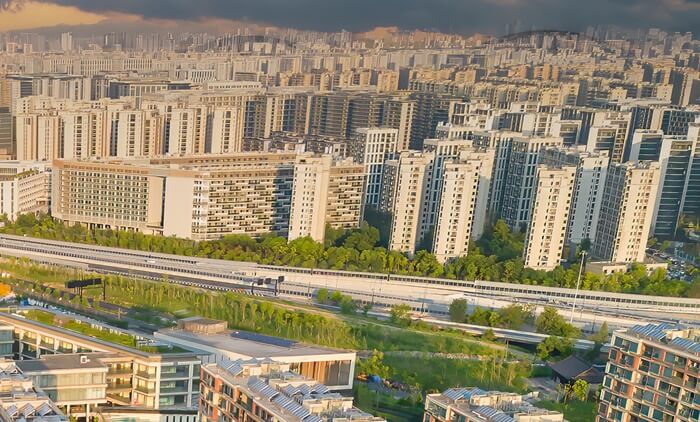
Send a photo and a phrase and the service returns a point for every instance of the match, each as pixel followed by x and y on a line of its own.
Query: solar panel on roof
pixel 44 410
pixel 485 411
pixel 454 393
pixel 28 410
pixel 321 389
pixel 313 418
pixel 502 417
pixel 12 410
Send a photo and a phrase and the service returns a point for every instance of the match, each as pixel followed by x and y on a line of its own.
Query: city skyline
pixel 464 17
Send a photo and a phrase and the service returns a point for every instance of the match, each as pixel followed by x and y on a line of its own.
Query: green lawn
pixel 439 374
pixel 574 411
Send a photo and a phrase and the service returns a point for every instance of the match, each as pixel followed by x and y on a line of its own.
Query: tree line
pixel 494 257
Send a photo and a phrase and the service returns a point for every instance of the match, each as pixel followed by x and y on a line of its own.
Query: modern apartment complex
pixel 266 390
pixel 653 373
pixel 463 212
pixel 207 197
pixel 332 367
pixel 79 361
pixel 21 400
pixel 549 220
pixel 372 147
pixel 24 188
pixel 626 212
pixel 476 405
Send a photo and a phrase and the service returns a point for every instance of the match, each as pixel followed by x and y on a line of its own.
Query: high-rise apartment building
pixel 404 186
pixel 519 184
pixel 462 213
pixel 591 170
pixel 549 219
pixel 372 147
pixel 653 373
pixel 675 157
pixel 626 212
pixel 309 197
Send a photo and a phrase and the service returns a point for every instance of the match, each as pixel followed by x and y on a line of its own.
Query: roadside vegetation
pixel 495 257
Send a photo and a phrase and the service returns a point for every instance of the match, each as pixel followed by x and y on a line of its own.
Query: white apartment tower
pixel 402 194
pixel 463 205
pixel 520 179
pixel 225 132
pixel 546 234
pixel 370 147
pixel 626 212
pixel 591 170
pixel 309 197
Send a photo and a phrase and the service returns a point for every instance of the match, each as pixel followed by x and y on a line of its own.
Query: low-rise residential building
pixel 141 372
pixel 653 373
pixel 267 390
pixel 476 405
pixel 332 367
pixel 24 188
pixel 21 400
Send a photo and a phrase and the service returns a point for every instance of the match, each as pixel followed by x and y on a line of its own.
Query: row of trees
pixel 495 257
pixel 512 317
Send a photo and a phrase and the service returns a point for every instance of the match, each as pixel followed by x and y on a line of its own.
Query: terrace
pixel 104 333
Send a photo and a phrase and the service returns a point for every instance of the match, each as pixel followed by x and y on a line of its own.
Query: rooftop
pixel 95 331
pixel 244 344
pixel 68 362
pixel 677 336
pixel 288 395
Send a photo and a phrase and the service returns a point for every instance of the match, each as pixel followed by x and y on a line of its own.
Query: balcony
pixel 173 390
pixel 145 390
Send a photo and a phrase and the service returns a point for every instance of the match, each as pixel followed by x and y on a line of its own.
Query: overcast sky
pixel 463 16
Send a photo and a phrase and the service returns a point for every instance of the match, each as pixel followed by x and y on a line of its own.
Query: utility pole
pixel 578 285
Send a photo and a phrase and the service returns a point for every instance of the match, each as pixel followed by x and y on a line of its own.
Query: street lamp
pixel 578 285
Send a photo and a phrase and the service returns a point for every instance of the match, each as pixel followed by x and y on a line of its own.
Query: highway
pixel 425 295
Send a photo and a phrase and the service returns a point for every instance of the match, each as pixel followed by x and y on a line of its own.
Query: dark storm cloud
pixel 448 15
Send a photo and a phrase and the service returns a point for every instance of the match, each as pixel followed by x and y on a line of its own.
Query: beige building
pixel 626 212
pixel 308 207
pixel 371 147
pixel 546 234
pixel 404 185
pixel 24 188
pixel 463 203
pixel 207 197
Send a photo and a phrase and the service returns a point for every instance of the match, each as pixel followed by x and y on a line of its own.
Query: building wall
pixel 552 201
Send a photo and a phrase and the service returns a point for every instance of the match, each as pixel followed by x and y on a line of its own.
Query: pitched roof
pixel 574 368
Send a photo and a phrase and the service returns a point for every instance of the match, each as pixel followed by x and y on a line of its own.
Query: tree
pixel 458 310
pixel 374 365
pixel 322 296
pixel 580 390
pixel 601 336
pixel 550 322
pixel 489 335
pixel 555 346
pixel 515 316
pixel 694 288
pixel 400 314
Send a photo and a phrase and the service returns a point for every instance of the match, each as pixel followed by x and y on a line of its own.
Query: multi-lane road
pixel 424 294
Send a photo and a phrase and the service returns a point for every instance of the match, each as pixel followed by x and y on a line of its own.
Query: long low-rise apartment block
pixel 208 197
pixel 332 367
pixel 476 405
pixel 135 370
pixel 268 390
